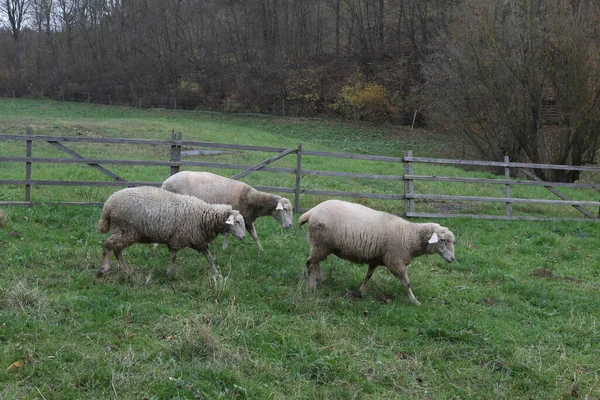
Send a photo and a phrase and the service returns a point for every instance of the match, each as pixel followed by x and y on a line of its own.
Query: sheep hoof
pixel 354 295
pixel 216 273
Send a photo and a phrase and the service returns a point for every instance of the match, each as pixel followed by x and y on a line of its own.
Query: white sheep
pixel 363 235
pixel 250 202
pixel 151 215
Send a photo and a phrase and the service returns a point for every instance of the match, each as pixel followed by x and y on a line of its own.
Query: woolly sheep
pixel 250 202
pixel 363 235
pixel 152 215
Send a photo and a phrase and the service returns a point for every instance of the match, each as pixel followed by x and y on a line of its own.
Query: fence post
pixel 507 187
pixel 28 166
pixel 409 203
pixel 298 176
pixel 175 152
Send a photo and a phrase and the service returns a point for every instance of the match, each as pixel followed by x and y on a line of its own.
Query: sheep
pixel 250 202
pixel 152 215
pixel 360 234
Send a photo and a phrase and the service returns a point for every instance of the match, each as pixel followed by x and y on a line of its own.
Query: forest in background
pixel 318 56
pixel 508 77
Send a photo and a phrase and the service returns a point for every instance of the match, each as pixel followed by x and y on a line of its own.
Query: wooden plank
pixel 353 194
pixel 501 181
pixel 78 139
pixel 409 205
pixel 501 199
pixel 139 162
pixel 352 175
pixel 82 161
pixel 142 142
pixel 57 203
pixel 234 166
pixel 77 155
pixel 196 164
pixel 556 192
pixel 298 178
pixel 272 189
pixel 352 156
pixel 175 153
pixel 233 146
pixel 28 153
pixel 34 182
pixel 502 164
pixel 495 217
pixel 262 164
pixel 507 187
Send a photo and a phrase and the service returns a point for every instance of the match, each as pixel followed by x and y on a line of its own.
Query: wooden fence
pixel 406 182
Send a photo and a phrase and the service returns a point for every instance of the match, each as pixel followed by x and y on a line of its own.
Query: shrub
pixel 364 101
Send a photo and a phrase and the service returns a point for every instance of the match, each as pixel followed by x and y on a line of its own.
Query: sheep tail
pixel 304 217
pixel 104 223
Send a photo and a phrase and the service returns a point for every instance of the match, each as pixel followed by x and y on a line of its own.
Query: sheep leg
pixel 119 256
pixel 225 240
pixel 252 232
pixel 363 287
pixel 400 273
pixel 313 272
pixel 105 265
pixel 211 263
pixel 171 267
pixel 115 242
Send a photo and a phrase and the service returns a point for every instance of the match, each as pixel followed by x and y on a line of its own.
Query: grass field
pixel 514 317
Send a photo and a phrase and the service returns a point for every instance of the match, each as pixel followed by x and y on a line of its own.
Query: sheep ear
pixel 279 206
pixel 434 238
pixel 230 220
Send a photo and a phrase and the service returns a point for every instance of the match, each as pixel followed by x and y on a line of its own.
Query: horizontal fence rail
pixel 404 193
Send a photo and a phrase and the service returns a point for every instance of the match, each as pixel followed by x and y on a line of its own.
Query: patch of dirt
pixel 353 295
pixel 544 273
pixel 547 274
pixel 489 301
pixel 15 234
pixel 495 365
pixel 384 298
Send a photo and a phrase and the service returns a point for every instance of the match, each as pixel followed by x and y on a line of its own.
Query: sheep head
pixel 442 243
pixel 283 212
pixel 236 225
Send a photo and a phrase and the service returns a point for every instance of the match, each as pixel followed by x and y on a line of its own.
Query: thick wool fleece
pixel 153 215
pixel 363 235
pixel 212 188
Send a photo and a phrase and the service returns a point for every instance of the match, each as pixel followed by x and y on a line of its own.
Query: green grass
pixel 71 119
pixel 515 316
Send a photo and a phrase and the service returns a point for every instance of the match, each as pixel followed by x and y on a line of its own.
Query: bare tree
pixel 15 11
pixel 42 11
pixel 217 51
pixel 502 61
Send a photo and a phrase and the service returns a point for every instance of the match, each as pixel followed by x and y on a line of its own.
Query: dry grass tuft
pixel 23 297
pixel 4 219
